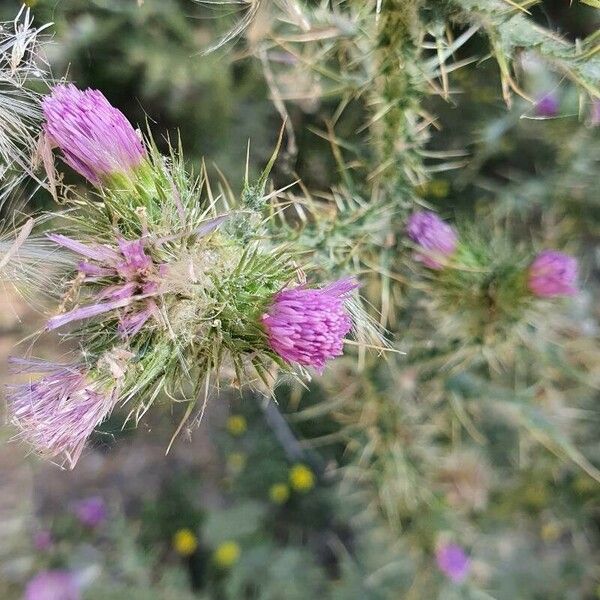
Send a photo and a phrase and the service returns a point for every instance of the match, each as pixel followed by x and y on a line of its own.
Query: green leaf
pixel 242 519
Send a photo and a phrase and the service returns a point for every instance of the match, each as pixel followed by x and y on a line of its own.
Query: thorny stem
pixel 285 436
pixel 396 95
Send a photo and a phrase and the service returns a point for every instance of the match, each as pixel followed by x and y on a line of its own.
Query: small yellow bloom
pixel 185 542
pixel 536 495
pixel 584 484
pixel 550 532
pixel 237 425
pixel 279 493
pixel 227 554
pixel 302 479
pixel 236 461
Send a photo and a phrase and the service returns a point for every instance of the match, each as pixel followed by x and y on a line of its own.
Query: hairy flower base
pixel 307 326
pixel 437 239
pixel 57 413
pixel 95 138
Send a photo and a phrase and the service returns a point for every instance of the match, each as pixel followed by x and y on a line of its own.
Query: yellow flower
pixel 237 425
pixel 279 493
pixel 185 542
pixel 536 495
pixel 227 554
pixel 550 532
pixel 584 484
pixel 302 479
pixel 236 461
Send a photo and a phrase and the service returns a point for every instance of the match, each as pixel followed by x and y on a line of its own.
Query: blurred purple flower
pixel 52 585
pixel 57 413
pixel 129 263
pixel 42 540
pixel 437 239
pixel 547 105
pixel 453 562
pixel 90 512
pixel 95 138
pixel 553 274
pixel 308 326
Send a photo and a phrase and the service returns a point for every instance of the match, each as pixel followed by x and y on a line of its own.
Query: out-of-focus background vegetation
pixel 231 513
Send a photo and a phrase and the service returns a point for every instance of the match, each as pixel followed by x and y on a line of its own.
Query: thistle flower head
pixel 42 540
pixel 90 512
pixel 307 326
pixel 453 562
pixel 57 413
pixel 553 274
pixel 134 279
pixel 437 239
pixel 52 585
pixel 547 105
pixel 95 138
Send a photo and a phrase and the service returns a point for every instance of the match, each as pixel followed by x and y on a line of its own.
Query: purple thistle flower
pixel 437 239
pixel 52 585
pixel 547 105
pixel 90 512
pixel 95 138
pixel 42 540
pixel 553 274
pixel 58 413
pixel 137 277
pixel 453 562
pixel 307 326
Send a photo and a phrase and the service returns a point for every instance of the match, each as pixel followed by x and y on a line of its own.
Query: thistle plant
pixel 177 284
pixel 476 311
pixel 169 293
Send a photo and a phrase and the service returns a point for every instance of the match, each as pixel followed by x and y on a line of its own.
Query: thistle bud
pixel 547 105
pixel 307 326
pixel 553 274
pixel 95 138
pixel 436 239
pixel 453 562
